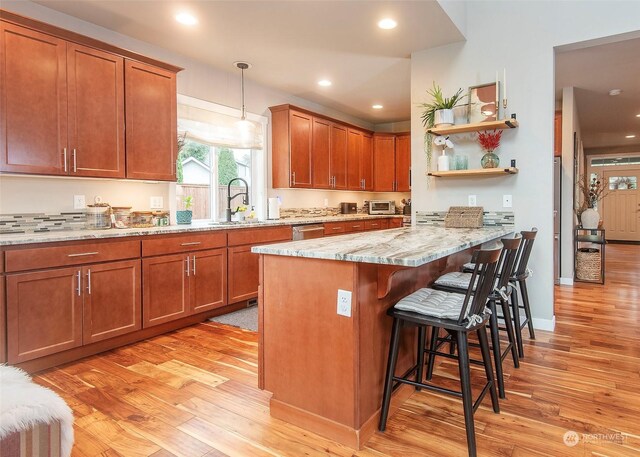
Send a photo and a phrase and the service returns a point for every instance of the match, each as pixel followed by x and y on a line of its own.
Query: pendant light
pixel 245 127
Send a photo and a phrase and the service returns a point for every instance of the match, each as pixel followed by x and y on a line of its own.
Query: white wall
pixel 520 36
pixel 197 80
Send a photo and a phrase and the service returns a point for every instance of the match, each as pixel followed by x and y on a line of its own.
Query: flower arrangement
pixel 592 191
pixel 489 141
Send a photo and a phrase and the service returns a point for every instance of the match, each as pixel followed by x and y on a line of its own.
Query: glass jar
pixel 161 218
pixel 142 219
pixel 121 216
pixel 98 217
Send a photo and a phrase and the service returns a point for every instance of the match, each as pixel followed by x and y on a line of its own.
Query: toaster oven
pixel 382 207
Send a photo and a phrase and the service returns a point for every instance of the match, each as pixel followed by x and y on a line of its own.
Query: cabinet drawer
pixel 355 226
pixel 259 235
pixel 170 244
pixel 72 254
pixel 378 224
pixel 334 228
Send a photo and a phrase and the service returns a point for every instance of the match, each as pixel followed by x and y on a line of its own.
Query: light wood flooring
pixel 193 392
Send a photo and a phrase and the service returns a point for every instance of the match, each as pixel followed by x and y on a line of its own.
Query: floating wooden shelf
pixel 475 172
pixel 477 127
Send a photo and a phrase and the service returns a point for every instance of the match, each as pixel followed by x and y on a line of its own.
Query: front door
pixel 620 208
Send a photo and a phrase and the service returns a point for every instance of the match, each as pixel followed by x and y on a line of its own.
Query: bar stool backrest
pixel 486 261
pixel 507 262
pixel 528 237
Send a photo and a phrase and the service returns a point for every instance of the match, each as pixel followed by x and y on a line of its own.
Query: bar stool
pixel 459 283
pixel 519 278
pixel 458 314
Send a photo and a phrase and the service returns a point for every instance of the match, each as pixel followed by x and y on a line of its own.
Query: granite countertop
pixel 10 239
pixel 407 246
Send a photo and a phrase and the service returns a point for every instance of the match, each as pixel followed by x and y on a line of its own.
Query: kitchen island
pixel 323 360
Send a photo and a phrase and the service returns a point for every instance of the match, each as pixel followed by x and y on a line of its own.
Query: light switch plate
pixel 473 200
pixel 344 303
pixel 156 203
pixel 79 202
pixel 507 201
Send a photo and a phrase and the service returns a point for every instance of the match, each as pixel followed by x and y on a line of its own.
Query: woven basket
pixel 464 217
pixel 588 264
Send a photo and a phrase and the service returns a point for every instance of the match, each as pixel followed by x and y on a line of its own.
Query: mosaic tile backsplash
pixel 41 223
pixel 490 218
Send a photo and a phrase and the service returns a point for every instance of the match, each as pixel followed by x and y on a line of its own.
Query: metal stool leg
pixel 508 323
pixel 391 367
pixel 495 343
pixel 432 347
pixel 486 357
pixel 527 309
pixel 516 320
pixel 465 384
pixel 420 362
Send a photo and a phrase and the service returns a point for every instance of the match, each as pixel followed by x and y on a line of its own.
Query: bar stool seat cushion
pixel 435 303
pixel 454 279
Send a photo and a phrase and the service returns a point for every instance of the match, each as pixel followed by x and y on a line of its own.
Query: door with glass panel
pixel 621 210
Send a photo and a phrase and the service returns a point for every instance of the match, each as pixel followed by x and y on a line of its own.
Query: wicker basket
pixel 464 217
pixel 588 264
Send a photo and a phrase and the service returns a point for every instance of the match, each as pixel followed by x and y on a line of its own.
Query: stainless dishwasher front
pixel 307 232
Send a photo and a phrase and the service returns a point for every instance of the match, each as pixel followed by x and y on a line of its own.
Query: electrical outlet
pixel 473 201
pixel 156 203
pixel 79 202
pixel 507 201
pixel 344 303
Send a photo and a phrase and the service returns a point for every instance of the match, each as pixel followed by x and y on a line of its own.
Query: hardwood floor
pixel 193 392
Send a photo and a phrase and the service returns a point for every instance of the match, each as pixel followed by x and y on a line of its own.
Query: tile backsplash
pixel 41 223
pixel 490 218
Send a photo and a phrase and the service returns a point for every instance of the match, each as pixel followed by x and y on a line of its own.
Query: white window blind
pixel 218 129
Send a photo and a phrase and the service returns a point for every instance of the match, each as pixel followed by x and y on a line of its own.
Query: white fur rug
pixel 24 403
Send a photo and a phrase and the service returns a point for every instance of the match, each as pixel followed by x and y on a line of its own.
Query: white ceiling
pixel 604 120
pixel 293 44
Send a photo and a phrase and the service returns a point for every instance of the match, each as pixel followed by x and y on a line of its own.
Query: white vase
pixel 443 117
pixel 590 218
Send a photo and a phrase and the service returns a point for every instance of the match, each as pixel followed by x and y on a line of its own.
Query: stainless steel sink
pixel 236 222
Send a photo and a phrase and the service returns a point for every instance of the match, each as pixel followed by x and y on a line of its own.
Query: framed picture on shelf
pixel 484 103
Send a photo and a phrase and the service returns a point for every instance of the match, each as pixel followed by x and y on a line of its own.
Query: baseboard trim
pixel 544 324
pixel 566 281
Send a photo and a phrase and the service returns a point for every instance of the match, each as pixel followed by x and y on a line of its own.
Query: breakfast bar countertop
pixel 408 246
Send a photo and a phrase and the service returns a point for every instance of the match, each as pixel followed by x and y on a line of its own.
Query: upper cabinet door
pixel 151 124
pixel 354 153
pixel 403 163
pixel 366 162
pixel 96 112
pixel 33 101
pixel 339 156
pixel 300 128
pixel 320 153
pixel 384 163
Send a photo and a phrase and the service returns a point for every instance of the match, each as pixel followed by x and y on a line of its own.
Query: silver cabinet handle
pixel 409 176
pixel 311 230
pixel 81 254
pixel 89 281
pixel 191 243
pixel 64 156
pixel 336 228
pixel 79 280
pixel 355 226
pixel 75 163
pixel 187 260
pixel 293 178
pixel 194 265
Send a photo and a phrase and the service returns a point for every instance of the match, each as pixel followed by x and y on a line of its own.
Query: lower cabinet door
pixel 112 304
pixel 165 291
pixel 208 280
pixel 44 313
pixel 3 323
pixel 243 274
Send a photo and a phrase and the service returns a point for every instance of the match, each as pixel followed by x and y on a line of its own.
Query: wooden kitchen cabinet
pixel 339 159
pixel 44 313
pixel 321 154
pixel 208 280
pixel 377 224
pixel 366 162
pixel 165 293
pixel 354 226
pixel 334 228
pixel 111 300
pixel 151 122
pixel 395 222
pixel 384 162
pixel 403 163
pixel 33 101
pixel 354 157
pixel 95 112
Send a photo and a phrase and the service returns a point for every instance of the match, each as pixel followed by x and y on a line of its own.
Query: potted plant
pixel 438 112
pixel 592 192
pixel 184 216
pixel 489 142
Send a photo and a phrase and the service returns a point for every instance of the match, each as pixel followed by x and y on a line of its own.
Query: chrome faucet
pixel 245 198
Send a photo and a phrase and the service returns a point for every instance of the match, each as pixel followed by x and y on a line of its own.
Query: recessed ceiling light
pixel 186 19
pixel 387 23
pixel 614 92
pixel 630 136
pixel 637 115
pixel 324 83
pixel 377 106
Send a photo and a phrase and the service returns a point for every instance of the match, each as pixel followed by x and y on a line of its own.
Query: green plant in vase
pixel 437 112
pixel 185 216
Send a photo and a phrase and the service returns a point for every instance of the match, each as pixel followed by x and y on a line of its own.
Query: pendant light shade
pixel 246 128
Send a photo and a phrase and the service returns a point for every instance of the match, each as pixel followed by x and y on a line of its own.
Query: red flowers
pixel 489 141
